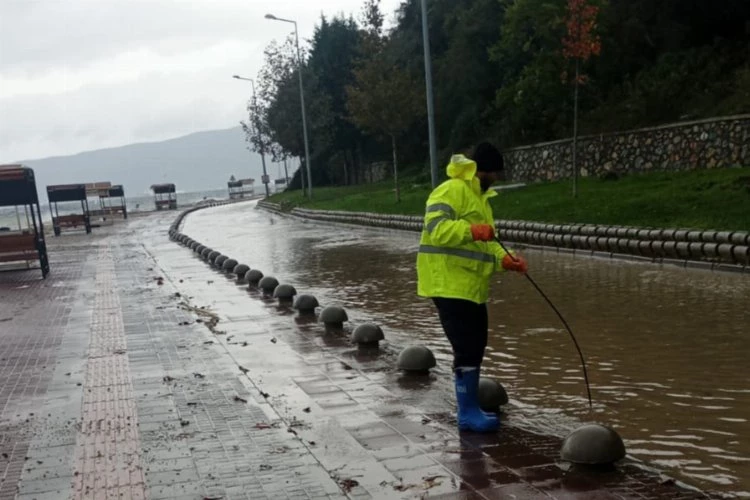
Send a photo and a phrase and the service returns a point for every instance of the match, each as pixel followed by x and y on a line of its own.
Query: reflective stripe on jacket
pixel 450 263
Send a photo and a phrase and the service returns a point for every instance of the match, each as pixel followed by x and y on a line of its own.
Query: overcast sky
pixel 77 75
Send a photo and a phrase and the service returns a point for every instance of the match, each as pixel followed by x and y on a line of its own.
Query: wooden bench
pixel 73 220
pixel 70 221
pixel 116 210
pixel 17 247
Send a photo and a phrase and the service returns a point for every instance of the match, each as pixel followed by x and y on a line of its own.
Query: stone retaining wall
pixel 725 250
pixel 713 143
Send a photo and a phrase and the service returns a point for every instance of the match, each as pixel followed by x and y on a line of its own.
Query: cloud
pixel 83 74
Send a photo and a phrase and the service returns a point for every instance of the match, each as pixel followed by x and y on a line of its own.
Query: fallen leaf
pixel 306 410
pixel 348 484
pixel 237 398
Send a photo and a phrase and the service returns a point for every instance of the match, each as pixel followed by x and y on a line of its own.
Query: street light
pixel 428 85
pixel 257 129
pixel 301 99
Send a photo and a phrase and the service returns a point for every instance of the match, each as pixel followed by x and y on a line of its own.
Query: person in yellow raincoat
pixel 458 254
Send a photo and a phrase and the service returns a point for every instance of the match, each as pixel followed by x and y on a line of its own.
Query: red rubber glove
pixel 517 264
pixel 482 232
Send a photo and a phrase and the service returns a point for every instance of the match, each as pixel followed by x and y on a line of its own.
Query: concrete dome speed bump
pixel 228 265
pixel 240 270
pixel 268 284
pixel 284 292
pixel 306 304
pixel 333 316
pixel 367 335
pixel 491 395
pixel 593 444
pixel 416 358
pixel 212 256
pixel 253 276
pixel 219 261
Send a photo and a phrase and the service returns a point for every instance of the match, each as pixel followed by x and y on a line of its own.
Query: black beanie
pixel 488 158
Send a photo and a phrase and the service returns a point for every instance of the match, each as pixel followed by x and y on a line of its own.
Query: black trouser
pixel 465 325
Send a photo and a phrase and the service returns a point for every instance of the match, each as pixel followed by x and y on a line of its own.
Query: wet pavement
pixel 666 347
pixel 136 371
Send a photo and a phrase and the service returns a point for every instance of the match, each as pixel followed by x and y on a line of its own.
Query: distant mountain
pixel 196 162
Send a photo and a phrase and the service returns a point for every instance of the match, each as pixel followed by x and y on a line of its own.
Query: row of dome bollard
pixel 589 444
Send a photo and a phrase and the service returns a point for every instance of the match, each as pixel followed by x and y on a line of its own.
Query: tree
pixel 385 100
pixel 278 108
pixel 580 43
pixel 530 103
pixel 334 48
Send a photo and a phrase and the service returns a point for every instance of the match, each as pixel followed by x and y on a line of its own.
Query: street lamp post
pixel 301 99
pixel 428 85
pixel 257 130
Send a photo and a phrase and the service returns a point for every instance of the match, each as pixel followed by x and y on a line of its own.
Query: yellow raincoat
pixel 450 263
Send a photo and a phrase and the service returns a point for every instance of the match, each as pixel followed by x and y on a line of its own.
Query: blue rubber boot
pixel 470 416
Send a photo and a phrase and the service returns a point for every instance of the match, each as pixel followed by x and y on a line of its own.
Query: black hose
pixel 567 327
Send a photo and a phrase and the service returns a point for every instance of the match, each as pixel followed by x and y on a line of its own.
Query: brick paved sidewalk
pixel 124 388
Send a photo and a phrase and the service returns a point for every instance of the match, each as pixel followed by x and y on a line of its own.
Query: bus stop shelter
pixel 111 199
pixel 165 196
pixel 67 193
pixel 240 188
pixel 115 202
pixel 24 244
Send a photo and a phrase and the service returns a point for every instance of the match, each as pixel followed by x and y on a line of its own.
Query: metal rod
pixel 304 118
pixel 428 88
pixel 567 327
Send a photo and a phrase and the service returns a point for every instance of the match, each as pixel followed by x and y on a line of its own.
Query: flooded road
pixel 667 348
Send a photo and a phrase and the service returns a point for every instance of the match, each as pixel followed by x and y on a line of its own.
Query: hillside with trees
pixel 503 71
